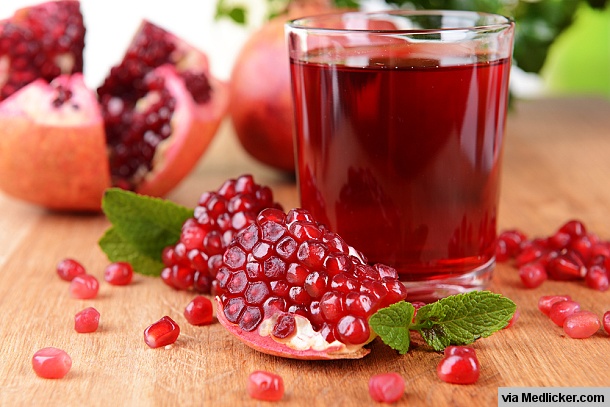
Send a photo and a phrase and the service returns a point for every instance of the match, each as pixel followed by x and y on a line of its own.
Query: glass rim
pixel 497 22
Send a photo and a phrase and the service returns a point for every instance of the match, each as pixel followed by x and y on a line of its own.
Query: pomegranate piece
pixel 546 302
pixel 67 269
pixel 157 113
pixel 582 324
pixel 119 273
pixel 194 261
pixel 70 172
pixel 87 320
pixel 290 264
pixel 386 387
pixel 51 38
pixel 606 322
pixel 532 274
pixel 199 311
pixel 459 365
pixel 51 363
pixel 161 107
pixel 84 287
pixel 265 386
pixel 164 332
pixel 561 310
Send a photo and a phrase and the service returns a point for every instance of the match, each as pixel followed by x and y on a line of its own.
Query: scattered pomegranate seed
pixel 532 274
pixel 265 386
pixel 582 324
pixel 199 311
pixel 546 302
pixel 386 387
pixel 84 287
pixel 67 269
pixel 51 363
pixel 571 253
pixel 162 333
pixel 561 310
pixel 87 320
pixel 606 322
pixel 119 273
pixel 459 365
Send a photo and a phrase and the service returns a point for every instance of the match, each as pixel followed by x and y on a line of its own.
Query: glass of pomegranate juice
pixel 400 120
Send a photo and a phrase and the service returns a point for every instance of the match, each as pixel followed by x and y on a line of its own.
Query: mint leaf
pixel 144 224
pixel 392 325
pixel 461 319
pixel 117 249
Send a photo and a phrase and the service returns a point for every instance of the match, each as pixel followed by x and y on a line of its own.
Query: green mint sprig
pixel 141 228
pixel 455 320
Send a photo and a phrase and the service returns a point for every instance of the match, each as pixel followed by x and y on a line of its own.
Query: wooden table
pixel 557 167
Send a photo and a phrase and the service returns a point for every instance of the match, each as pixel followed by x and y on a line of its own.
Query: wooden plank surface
pixel 556 167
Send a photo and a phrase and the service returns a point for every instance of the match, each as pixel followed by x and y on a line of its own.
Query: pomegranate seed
pixel 162 333
pixel 119 273
pixel 532 274
pixel 597 278
pixel 561 310
pixel 574 228
pixel 285 326
pixel 582 324
pixel 606 322
pixel 199 311
pixel 87 320
pixel 514 319
pixel 459 365
pixel 84 287
pixel 546 302
pixel 386 387
pixel 509 245
pixel 353 330
pixel 51 363
pixel 67 269
pixel 567 266
pixel 265 386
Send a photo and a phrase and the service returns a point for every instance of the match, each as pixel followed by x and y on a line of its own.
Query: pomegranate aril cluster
pixel 570 254
pixel 193 262
pixel 285 265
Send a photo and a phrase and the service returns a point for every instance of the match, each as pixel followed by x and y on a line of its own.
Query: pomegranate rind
pixel 261 341
pixel 193 128
pixel 56 159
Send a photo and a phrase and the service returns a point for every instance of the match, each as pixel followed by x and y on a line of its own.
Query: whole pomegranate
pixel 260 95
pixel 62 145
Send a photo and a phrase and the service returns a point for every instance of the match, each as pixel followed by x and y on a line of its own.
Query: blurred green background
pixel 565 43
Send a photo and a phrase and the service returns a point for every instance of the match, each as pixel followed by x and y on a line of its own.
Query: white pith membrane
pixel 36 102
pixel 305 338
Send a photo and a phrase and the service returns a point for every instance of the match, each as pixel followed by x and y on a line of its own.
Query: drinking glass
pixel 399 130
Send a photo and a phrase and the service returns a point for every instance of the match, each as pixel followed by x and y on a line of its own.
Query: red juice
pixel 404 162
